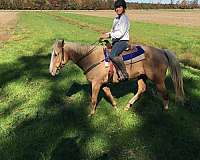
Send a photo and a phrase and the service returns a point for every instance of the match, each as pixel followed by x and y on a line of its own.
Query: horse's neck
pixel 88 57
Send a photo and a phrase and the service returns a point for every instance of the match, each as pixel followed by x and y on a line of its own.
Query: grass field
pixel 46 118
pixel 180 17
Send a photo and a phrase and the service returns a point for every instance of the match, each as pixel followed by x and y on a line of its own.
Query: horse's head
pixel 58 57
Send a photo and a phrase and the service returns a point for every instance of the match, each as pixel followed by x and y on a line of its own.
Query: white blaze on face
pixel 51 62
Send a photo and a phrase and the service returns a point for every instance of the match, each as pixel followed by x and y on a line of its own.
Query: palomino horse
pixel 91 60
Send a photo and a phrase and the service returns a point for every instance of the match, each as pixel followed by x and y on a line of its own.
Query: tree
pixel 184 4
pixel 194 4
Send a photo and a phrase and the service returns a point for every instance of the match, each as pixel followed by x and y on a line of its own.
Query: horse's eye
pixel 55 54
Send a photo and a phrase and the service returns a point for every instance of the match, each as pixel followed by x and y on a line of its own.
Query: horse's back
pixel 154 64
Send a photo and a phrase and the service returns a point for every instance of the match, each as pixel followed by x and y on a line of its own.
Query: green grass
pixel 46 118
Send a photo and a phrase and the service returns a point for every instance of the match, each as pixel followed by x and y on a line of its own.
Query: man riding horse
pixel 120 37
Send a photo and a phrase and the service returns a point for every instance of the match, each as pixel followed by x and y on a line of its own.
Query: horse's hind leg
pixel 141 89
pixel 162 90
pixel 95 91
pixel 108 94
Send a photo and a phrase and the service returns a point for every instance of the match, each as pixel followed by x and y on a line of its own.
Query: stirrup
pixel 122 77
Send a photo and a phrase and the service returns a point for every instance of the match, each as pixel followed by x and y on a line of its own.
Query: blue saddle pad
pixel 139 51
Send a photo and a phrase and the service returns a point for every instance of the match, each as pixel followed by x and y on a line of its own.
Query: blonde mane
pixel 80 49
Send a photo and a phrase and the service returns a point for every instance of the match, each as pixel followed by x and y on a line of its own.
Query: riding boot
pixel 121 68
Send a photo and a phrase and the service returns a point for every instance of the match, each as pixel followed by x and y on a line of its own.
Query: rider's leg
pixel 118 48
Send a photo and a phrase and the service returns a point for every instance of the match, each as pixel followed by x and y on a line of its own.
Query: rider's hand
pixel 104 36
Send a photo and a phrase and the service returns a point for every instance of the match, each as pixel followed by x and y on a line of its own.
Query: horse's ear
pixel 63 42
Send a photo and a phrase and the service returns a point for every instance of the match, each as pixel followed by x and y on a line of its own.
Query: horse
pixel 91 59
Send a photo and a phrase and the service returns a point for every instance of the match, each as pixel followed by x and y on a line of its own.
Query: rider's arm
pixel 120 29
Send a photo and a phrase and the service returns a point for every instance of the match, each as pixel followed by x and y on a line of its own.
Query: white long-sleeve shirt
pixel 120 28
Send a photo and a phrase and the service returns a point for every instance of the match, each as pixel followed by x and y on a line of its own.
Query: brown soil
pixel 172 17
pixel 8 21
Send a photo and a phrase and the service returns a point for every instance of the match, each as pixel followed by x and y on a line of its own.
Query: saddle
pixel 132 54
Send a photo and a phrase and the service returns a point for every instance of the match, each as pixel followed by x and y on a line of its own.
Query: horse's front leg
pixel 95 91
pixel 141 89
pixel 110 97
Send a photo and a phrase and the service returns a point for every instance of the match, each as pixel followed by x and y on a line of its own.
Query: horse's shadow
pixel 66 148
pixel 117 90
pixel 122 89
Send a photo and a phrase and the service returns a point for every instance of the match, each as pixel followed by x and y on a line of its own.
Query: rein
pixel 89 52
pixel 96 64
pixel 93 66
pixel 63 58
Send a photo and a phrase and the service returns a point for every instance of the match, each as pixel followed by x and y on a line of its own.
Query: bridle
pixel 61 65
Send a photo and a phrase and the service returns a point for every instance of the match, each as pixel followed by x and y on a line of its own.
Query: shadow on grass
pixel 61 129
pixel 118 90
pixel 57 124
pixel 67 148
pixel 33 67
pixel 170 135
pixel 160 136
pixel 44 134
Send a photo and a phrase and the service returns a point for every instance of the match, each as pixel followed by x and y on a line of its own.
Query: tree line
pixel 90 4
pixel 56 4
pixel 180 4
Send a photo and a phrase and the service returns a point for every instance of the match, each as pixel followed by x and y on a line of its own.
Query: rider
pixel 120 36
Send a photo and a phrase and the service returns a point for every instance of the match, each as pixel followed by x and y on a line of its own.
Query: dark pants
pixel 118 47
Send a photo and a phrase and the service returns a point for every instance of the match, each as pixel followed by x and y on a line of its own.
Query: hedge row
pixel 87 4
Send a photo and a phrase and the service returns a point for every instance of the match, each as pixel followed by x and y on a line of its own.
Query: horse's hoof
pixel 126 108
pixel 115 107
pixel 114 104
pixel 91 114
pixel 166 108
